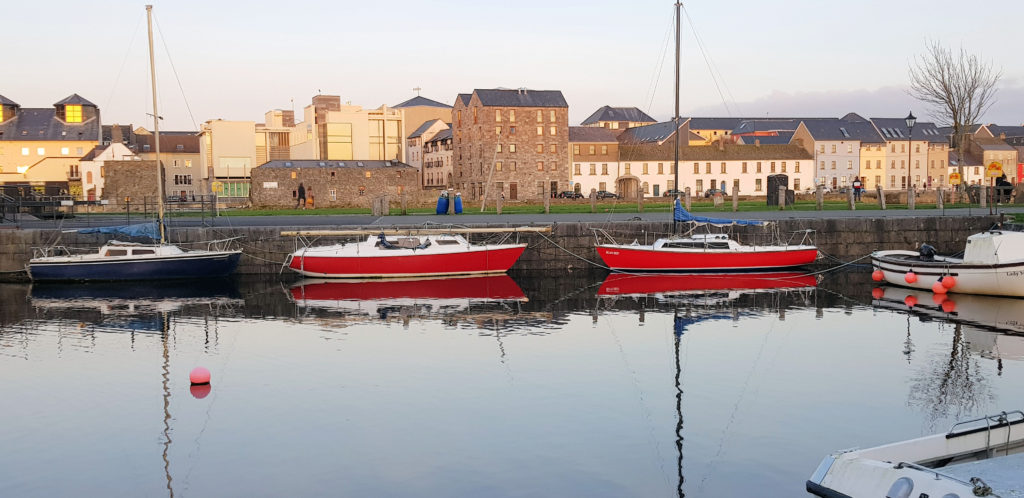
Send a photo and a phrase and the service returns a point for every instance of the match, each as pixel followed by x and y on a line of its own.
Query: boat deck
pixel 1004 474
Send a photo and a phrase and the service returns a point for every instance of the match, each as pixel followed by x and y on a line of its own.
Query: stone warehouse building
pixel 511 142
pixel 334 183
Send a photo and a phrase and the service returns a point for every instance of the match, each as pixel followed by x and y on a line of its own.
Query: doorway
pixel 554 189
pixel 513 191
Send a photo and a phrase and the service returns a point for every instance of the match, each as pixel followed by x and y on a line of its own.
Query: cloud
pixel 887 101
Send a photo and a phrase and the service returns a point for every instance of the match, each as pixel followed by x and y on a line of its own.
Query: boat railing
pixel 50 251
pixel 219 245
pixel 938 475
pixel 997 421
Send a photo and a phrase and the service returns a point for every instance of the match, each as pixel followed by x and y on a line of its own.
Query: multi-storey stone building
pixel 416 141
pixel 437 160
pixel 511 142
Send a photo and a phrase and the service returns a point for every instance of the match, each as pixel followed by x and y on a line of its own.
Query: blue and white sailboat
pixel 117 260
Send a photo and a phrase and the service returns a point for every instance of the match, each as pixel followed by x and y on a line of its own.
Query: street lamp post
pixel 911 121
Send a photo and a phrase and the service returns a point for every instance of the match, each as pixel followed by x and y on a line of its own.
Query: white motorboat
pixel 992 264
pixel 980 457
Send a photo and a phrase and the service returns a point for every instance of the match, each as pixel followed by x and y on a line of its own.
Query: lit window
pixel 41 151
pixel 553 130
pixel 24 151
pixel 497 115
pixel 540 116
pixel 497 129
pixel 604 149
pixel 64 151
pixel 497 165
pixel 512 148
pixel 512 115
pixel 540 148
pixel 73 113
pixel 540 130
pixel 552 116
pixel 591 150
pixel 576 149
pixel 498 149
pixel 553 149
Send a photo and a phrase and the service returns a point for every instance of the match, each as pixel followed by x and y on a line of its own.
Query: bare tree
pixel 958 86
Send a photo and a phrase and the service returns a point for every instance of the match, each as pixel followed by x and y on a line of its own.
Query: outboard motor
pixel 927 252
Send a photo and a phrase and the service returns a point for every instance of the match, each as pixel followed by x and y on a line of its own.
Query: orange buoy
pixel 938 288
pixel 948 281
pixel 878 293
pixel 939 298
pixel 199 375
pixel 910 277
pixel 877 276
pixel 948 306
pixel 910 301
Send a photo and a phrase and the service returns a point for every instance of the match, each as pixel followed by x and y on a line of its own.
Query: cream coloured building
pixel 332 131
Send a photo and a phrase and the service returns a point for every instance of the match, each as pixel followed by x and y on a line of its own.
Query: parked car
pixel 672 193
pixel 713 191
pixel 604 194
pixel 569 194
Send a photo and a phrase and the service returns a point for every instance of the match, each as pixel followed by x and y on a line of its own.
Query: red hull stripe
pixel 618 258
pixel 460 263
pixel 497 287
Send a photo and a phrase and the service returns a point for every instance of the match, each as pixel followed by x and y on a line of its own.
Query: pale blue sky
pixel 237 60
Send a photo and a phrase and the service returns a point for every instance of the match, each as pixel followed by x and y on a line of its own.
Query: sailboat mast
pixel 156 128
pixel 675 120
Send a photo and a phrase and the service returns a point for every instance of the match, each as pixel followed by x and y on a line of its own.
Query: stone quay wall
pixel 569 245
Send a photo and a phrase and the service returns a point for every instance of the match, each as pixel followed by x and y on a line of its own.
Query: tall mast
pixel 156 127
pixel 675 120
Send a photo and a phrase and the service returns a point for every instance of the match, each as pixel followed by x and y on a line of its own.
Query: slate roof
pixel 169 142
pixel 74 99
pixel 521 98
pixel 126 132
pixel 754 125
pixel 895 129
pixel 608 113
pixel 782 138
pixel 423 128
pixel 852 116
pixel 838 129
pixel 97 150
pixel 732 152
pixel 421 101
pixel 1010 131
pixel 314 163
pixel 6 101
pixel 714 123
pixel 986 143
pixel 657 132
pixel 42 124
pixel 464 98
pixel 591 134
pixel 444 134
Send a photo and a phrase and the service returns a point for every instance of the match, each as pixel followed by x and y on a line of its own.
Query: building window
pixel 796 184
pixel 540 148
pixel 627 169
pixel 41 151
pixel 497 130
pixel 540 116
pixel 540 165
pixel 757 182
pixel 707 168
pixel 576 169
pixel 497 115
pixel 552 115
pixel 700 186
pixel 796 167
pixel 822 148
pixel 24 151
pixel 696 168
pixel 849 148
pixel 604 168
pixel 604 150
pixel 497 148
pixel 759 165
pixel 783 170
pixel 512 166
pixel 602 186
pixel 645 168
pixel 512 115
pixel 917 163
pixel 553 148
pixel 593 169
pixel 661 168
pixel 333 194
pixel 723 168
pixel 743 167
pixel 540 130
pixel 833 148
pixel 553 130
pixel 511 130
pixel 576 150
pixel 822 165
pixel 553 166
pixel 772 167
pixel 591 150
pixel 849 164
pixel 512 148
pixel 474 115
pixel 65 151
pixel 73 113
pixel 833 165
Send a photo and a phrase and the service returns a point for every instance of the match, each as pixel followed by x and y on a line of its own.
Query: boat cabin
pixel 702 241
pixel 994 247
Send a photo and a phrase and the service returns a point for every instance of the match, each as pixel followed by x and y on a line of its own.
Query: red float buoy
pixel 910 277
pixel 939 298
pixel 910 301
pixel 199 375
pixel 948 281
pixel 948 306
pixel 878 293
pixel 877 276
pixel 938 288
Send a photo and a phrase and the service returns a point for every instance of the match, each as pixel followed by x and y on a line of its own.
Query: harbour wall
pixel 567 246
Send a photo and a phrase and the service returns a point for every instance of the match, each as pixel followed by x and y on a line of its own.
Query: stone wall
pixel 265 250
pixel 135 179
pixel 351 186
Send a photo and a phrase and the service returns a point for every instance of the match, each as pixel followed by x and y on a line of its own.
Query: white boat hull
pixel 1005 279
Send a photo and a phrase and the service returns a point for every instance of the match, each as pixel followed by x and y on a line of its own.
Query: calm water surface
pixel 534 385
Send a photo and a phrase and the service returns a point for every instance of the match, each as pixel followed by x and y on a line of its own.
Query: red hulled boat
pixel 380 256
pixel 623 284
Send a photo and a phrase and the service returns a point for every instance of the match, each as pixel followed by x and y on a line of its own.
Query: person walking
pixel 301 200
pixel 858 188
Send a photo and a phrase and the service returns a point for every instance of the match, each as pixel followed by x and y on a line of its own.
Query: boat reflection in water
pixel 627 284
pixel 981 315
pixel 423 297
pixel 134 306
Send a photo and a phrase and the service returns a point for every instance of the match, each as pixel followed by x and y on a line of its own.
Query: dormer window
pixel 73 113
pixel 145 147
pixel 179 147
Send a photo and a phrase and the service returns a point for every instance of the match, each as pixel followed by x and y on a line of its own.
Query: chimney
pixel 757 142
pixel 116 136
pixel 1002 135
